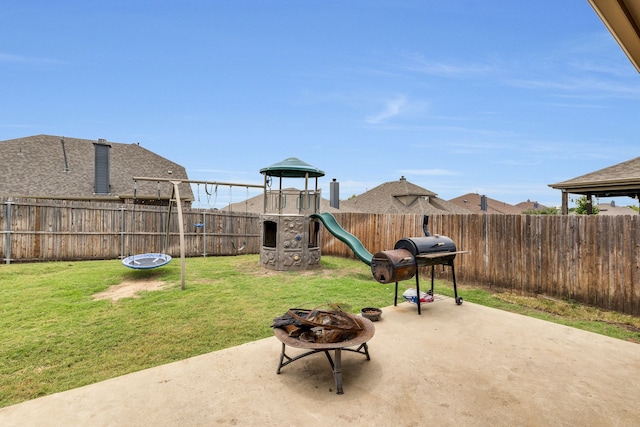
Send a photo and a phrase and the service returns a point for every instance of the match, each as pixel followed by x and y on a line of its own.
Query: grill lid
pixel 426 245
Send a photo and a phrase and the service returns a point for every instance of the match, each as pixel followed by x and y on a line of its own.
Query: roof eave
pixel 615 184
pixel 622 19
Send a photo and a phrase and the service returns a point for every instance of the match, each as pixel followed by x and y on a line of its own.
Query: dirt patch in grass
pixel 130 289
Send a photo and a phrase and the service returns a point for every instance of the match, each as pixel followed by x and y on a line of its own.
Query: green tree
pixel 581 206
pixel 545 211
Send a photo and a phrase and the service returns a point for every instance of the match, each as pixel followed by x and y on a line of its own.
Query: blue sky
pixel 496 97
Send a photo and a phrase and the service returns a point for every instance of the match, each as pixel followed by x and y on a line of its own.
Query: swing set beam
pixel 175 196
pixel 193 181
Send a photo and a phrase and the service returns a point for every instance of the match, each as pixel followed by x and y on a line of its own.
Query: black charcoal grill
pixel 408 254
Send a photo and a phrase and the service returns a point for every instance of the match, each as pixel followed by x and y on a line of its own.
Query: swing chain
pixel 210 193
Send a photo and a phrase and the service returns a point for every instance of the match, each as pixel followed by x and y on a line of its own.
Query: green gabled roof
pixel 292 168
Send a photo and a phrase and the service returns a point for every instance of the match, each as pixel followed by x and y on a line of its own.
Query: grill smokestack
pixel 334 194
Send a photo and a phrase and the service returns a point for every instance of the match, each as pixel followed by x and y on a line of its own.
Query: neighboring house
pixel 256 204
pixel 476 203
pixel 396 197
pixel 54 167
pixel 399 197
pixel 612 209
pixel 530 206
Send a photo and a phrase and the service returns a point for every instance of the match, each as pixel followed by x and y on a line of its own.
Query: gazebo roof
pixel 622 179
pixel 292 168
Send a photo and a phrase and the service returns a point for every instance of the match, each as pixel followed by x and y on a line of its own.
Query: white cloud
pixel 418 63
pixel 392 108
pixel 5 57
pixel 586 86
pixel 8 57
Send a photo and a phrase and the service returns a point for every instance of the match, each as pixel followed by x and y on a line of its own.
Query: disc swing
pixel 148 260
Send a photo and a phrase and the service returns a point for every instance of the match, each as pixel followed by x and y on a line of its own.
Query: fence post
pixel 122 231
pixel 204 233
pixel 8 234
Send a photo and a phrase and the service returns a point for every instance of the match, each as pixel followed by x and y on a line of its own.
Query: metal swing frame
pixel 175 198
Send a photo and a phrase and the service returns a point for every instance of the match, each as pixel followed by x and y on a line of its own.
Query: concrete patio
pixel 453 365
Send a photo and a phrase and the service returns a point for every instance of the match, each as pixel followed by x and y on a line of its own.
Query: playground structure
pixel 290 234
pixel 289 222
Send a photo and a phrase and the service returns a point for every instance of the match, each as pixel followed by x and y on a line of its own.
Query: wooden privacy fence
pixel 588 259
pixel 62 230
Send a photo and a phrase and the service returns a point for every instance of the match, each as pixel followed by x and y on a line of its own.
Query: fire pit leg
pixel 337 371
pixel 281 359
pixel 365 350
pixel 336 367
pixel 283 356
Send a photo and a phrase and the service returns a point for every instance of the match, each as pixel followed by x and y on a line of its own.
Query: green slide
pixel 330 223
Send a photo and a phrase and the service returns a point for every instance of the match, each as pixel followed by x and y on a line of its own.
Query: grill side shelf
pixel 440 254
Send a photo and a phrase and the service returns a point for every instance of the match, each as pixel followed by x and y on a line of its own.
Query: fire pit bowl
pixel 371 313
pixel 364 334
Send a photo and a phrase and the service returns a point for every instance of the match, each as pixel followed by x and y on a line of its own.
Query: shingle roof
pixel 396 197
pixel 471 202
pixel 256 204
pixel 530 206
pixel 612 209
pixel 42 166
pixel 622 179
pixel 399 197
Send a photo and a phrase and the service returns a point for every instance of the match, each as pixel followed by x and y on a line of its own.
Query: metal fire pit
pixel 408 254
pixel 336 362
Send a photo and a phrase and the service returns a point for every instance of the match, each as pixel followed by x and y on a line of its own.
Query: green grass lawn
pixel 55 336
